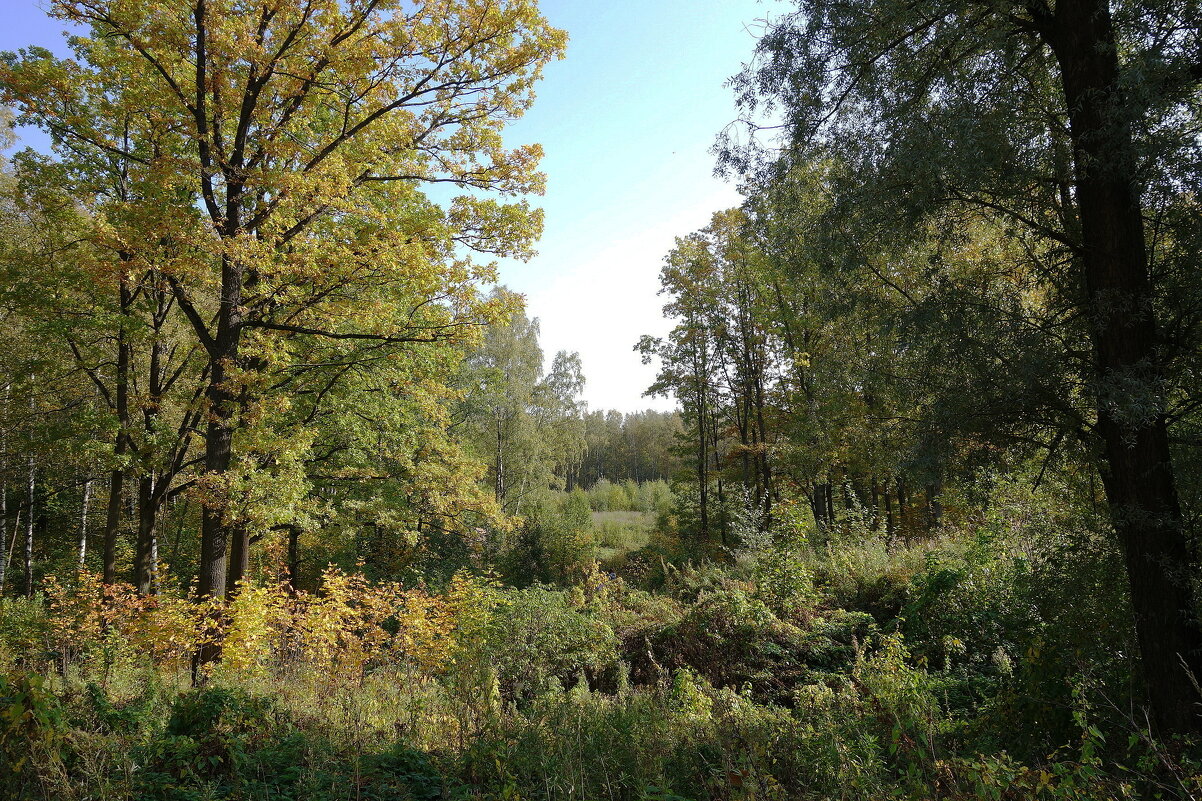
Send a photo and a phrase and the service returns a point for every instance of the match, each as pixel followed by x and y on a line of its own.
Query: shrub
pixel 25 630
pixel 546 642
pixel 32 727
pixel 555 540
pixel 223 742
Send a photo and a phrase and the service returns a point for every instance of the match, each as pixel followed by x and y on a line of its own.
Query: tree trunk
pixel 215 527
pixel 765 465
pixel 294 556
pixel 890 525
pixel 31 487
pixel 155 579
pixel 934 505
pixel 151 485
pixel 112 521
pixel 216 575
pixel 239 562
pixel 83 522
pixel 4 491
pixel 1135 466
pixel 723 517
pixel 143 561
pixel 818 504
pixel 498 486
pixel 702 463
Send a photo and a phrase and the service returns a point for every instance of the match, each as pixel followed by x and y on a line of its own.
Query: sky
pixel 627 121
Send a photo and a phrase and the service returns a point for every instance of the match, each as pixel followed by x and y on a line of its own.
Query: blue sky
pixel 627 121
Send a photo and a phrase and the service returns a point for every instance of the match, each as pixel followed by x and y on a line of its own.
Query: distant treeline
pixel 640 447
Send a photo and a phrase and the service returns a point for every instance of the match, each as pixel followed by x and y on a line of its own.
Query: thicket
pixel 837 663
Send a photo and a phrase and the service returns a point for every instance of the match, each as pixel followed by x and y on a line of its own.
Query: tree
pixel 690 361
pixel 1052 118
pixel 275 153
pixel 526 425
pixel 722 359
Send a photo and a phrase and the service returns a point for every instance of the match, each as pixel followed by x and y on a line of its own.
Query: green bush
pixel 733 639
pixel 224 743
pixel 555 541
pixel 24 630
pixel 546 642
pixel 32 731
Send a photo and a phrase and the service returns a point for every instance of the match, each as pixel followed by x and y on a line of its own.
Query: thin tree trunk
pixel 294 556
pixel 83 522
pixel 8 559
pixel 239 559
pixel 890 525
pixel 31 489
pixel 702 462
pixel 765 464
pixel 31 486
pixel 155 587
pixel 934 506
pixel 179 529
pixel 4 490
pixel 723 517
pixel 499 469
pixel 151 486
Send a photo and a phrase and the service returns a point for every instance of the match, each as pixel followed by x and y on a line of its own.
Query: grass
pixel 621 532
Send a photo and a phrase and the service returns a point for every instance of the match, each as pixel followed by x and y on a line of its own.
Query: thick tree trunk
pixel 215 528
pixel 143 558
pixel 216 574
pixel 239 562
pixel 1136 466
pixel 218 453
pixel 112 521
